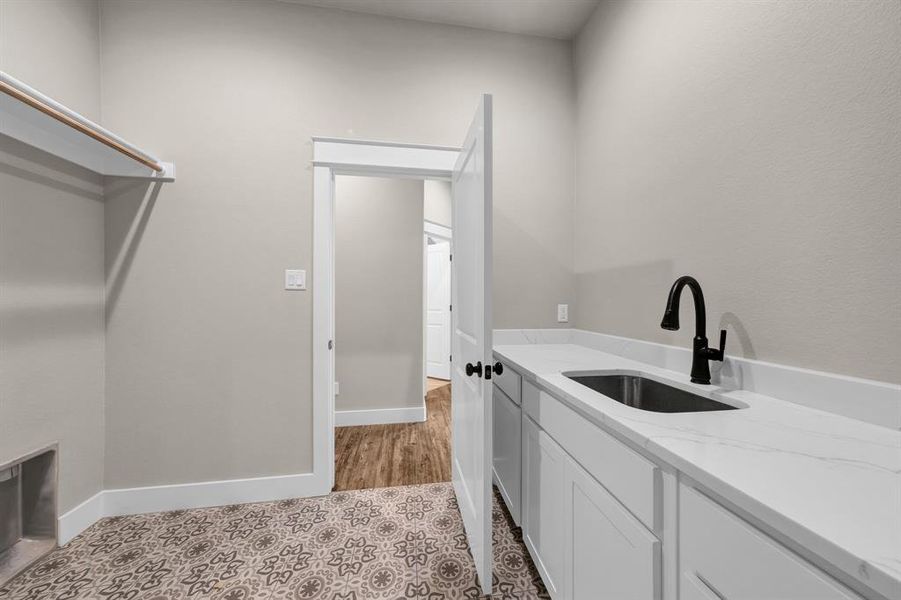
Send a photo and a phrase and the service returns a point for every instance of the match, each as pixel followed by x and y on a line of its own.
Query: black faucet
pixel 700 369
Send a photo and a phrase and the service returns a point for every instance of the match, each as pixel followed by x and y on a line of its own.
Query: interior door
pixel 471 338
pixel 438 299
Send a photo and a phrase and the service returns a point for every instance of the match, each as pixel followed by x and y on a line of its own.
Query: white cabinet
pixel 609 553
pixel 722 557
pixel 602 521
pixel 630 477
pixel 543 509
pixel 509 381
pixel 507 461
pixel 585 543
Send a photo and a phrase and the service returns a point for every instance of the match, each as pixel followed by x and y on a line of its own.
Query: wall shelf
pixel 37 120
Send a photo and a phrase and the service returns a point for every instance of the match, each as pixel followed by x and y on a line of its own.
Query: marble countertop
pixel 829 483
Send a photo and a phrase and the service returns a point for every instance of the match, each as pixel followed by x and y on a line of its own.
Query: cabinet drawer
pixel 507 427
pixel 630 477
pixel 722 557
pixel 510 382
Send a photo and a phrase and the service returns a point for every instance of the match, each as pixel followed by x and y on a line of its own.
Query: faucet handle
pixel 721 353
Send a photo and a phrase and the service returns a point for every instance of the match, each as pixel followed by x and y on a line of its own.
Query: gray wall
pixel 51 255
pixel 208 362
pixel 745 143
pixel 438 205
pixel 755 145
pixel 378 293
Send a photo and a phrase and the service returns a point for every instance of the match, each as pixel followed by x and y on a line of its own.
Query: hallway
pixel 372 456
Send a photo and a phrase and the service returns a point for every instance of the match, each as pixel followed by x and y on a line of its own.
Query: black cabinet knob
pixel 474 370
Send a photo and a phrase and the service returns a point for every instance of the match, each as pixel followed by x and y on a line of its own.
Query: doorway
pixel 437 311
pixel 470 170
pixel 392 328
pixel 437 243
pixel 334 157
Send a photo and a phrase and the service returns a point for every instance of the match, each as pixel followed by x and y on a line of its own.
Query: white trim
pixel 381 416
pixel 360 157
pixel 133 501
pixel 380 158
pixel 437 230
pixel 323 323
pixel 80 518
pixel 425 316
pixel 341 140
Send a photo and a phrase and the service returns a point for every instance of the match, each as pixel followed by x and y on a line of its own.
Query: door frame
pixel 437 230
pixel 341 156
pixel 442 232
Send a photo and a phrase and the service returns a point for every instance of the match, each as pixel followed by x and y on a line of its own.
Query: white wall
pixel 437 198
pixel 378 293
pixel 756 146
pixel 208 362
pixel 51 256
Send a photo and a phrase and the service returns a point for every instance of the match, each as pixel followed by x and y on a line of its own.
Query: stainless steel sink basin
pixel 647 394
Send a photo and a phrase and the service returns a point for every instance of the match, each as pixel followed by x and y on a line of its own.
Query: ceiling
pixel 560 19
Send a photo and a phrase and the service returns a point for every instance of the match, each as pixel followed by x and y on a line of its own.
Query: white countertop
pixel 829 483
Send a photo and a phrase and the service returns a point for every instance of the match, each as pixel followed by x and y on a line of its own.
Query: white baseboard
pixel 132 501
pixel 79 518
pixel 383 416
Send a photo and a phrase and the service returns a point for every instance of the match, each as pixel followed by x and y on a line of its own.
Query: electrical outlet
pixel 336 388
pixel 295 279
pixel 563 313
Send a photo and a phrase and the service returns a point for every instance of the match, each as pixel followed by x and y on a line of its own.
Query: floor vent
pixel 27 511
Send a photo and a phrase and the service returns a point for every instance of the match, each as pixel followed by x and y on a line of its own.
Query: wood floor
pixel 434 384
pixel 370 456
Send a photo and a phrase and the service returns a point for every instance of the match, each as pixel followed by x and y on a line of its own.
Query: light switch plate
pixel 563 313
pixel 295 279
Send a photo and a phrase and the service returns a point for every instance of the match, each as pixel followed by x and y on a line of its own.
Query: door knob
pixel 477 369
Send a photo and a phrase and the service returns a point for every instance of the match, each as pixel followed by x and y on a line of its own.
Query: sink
pixel 647 394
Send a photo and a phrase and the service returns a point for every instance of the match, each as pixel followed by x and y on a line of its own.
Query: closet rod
pixel 65 119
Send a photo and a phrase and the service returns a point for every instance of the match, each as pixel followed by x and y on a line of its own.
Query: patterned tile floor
pixel 388 543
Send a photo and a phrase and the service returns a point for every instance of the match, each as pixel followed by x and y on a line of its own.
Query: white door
pixel 471 338
pixel 438 299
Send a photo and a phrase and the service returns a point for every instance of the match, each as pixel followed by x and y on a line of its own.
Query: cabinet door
pixel 544 481
pixel 724 557
pixel 633 479
pixel 609 553
pixel 508 451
